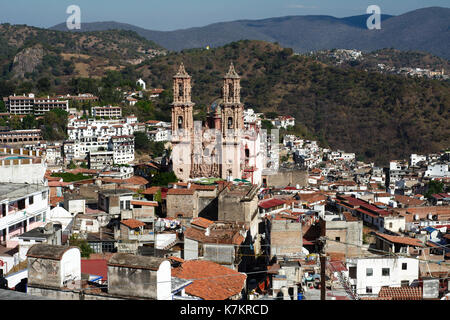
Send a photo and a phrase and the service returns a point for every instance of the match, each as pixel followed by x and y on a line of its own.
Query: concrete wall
pixel 56 294
pixel 377 280
pixel 52 273
pixel 219 253
pixel 348 232
pixel 395 224
pixel 44 272
pixel 15 278
pixel 75 206
pixel 132 282
pixel 190 249
pixel 286 238
pixel 284 178
pixel 23 173
pixel 186 204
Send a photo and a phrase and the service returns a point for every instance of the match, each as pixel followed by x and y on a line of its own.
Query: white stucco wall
pixel 71 265
pixel 377 280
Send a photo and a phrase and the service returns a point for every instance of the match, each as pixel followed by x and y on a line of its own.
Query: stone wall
pixel 132 282
pixel 286 237
pixel 284 178
pixel 185 204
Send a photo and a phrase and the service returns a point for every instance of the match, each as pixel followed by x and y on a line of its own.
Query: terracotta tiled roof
pixel 211 281
pixel 201 222
pixel 132 223
pixel 180 191
pixel 402 293
pixel 58 184
pixel 376 298
pixel 203 187
pixel 55 200
pixel 402 240
pixel 266 204
pixel 312 197
pixel 151 190
pixel 409 200
pixel 175 259
pixel 136 180
pixel 349 217
pixel 144 203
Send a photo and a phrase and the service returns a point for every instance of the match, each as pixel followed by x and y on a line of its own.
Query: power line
pixel 389 252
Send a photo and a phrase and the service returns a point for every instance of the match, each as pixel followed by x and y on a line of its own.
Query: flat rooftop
pixel 13 191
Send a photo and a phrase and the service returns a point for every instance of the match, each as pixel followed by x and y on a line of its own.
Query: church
pixel 222 146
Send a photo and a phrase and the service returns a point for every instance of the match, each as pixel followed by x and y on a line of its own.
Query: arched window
pixel 230 90
pixel 230 123
pixel 180 122
pixel 180 90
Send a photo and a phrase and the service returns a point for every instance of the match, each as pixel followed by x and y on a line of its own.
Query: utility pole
pixel 323 261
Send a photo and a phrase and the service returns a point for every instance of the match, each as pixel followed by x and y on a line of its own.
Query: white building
pixel 368 275
pixel 415 159
pixel 107 112
pixel 32 105
pixel 283 122
pixel 22 208
pixel 60 215
pixel 142 84
pixel 250 116
pixel 80 148
pixel 123 149
pixel 439 170
pixel 21 166
pixel 159 134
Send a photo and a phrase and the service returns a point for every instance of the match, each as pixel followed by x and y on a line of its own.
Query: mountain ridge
pixel 426 29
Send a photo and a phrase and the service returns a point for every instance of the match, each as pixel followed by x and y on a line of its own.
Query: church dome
pixel 215 106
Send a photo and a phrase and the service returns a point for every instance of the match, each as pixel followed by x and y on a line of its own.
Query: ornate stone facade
pixel 219 146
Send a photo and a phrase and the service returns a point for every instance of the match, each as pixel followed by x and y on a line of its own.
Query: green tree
pixel 2 106
pixel 15 123
pixel 141 141
pixel 162 179
pixel 29 122
pixel 44 85
pixel 433 188
pixel 84 246
pixel 54 124
pixel 71 165
pixel 271 115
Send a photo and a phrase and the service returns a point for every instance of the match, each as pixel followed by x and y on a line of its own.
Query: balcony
pixel 17 216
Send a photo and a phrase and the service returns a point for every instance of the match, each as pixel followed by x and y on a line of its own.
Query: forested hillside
pixel 380 117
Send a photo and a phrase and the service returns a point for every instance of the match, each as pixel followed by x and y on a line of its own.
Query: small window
pixel 404 266
pixel 44 195
pixel 368 289
pixel 385 272
pixel 390 224
pixel 230 123
pixel 405 283
pixel 31 200
pixel 352 272
pixel 338 239
pixel 369 272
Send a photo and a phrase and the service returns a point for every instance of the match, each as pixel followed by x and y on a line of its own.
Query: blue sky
pixel 177 14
